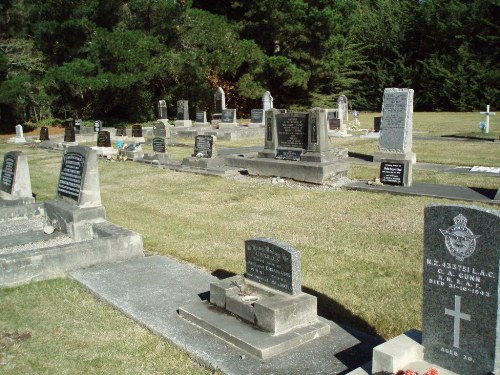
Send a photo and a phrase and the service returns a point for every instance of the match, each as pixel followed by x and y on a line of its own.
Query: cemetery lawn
pixel 361 252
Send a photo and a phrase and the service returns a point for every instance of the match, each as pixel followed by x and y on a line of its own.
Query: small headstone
pixel 159 145
pixel 377 123
pixel 267 101
pixel 461 320
pixel 333 122
pixel 159 129
pixel 136 131
pixel 19 138
pixel 396 172
pixel 220 100
pixel 69 134
pixel 97 126
pixel 274 264
pixel 19 131
pixel 228 116
pixel 201 117
pixel 162 109
pixel 44 133
pixel 78 125
pixel 121 132
pixel 343 108
pixel 103 139
pixel 203 146
pixel 257 116
pixel 15 180
pixel 182 110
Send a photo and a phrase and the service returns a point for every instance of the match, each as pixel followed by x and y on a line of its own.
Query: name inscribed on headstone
pixel 8 173
pixel 397 120
pixel 136 131
pixel 103 139
pixel 228 115
pixel 274 264
pixel 159 129
pixel 159 145
pixel 292 130
pixel 392 173
pixel 201 117
pixel 461 313
pixel 257 116
pixel 70 178
pixel 203 146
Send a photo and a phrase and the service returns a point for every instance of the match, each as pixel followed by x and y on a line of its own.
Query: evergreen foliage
pixel 114 59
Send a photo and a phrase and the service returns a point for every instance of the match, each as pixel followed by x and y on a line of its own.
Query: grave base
pixel 160 158
pixel 404 352
pixel 105 151
pixel 202 125
pixel 75 221
pixel 133 155
pixel 339 134
pixel 184 123
pixel 371 135
pixel 203 162
pixel 379 155
pixel 254 125
pixel 244 336
pixel 228 125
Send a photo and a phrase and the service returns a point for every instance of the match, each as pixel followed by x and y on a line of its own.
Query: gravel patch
pixel 42 244
pixel 21 225
pixel 333 185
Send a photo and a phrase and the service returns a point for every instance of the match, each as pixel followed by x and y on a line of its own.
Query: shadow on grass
pixel 488 193
pixel 358 155
pixel 472 137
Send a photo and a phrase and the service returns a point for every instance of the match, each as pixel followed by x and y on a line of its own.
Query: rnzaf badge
pixel 459 240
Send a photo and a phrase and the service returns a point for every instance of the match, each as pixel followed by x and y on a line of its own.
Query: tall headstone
pixel 343 108
pixel 162 109
pixel 44 134
pixel 461 319
pixel 267 101
pixel 219 100
pixel 183 114
pixel 15 182
pixel 69 134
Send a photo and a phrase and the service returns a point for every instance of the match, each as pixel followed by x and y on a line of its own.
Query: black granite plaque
pixel 103 139
pixel 120 132
pixel 8 172
pixel 269 129
pixel 159 145
pixel 294 155
pixel 159 129
pixel 44 133
pixel 377 122
pixel 69 134
pixel 182 110
pixel 460 307
pixel 200 117
pixel 274 264
pixel 257 116
pixel 71 176
pixel 203 145
pixel 97 126
pixel 136 131
pixel 292 130
pixel 392 173
pixel 228 115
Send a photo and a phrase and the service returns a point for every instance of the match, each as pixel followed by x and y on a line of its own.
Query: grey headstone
pixel 201 117
pixel 79 177
pixel 203 144
pixel 162 109
pixel 274 264
pixel 19 131
pixel 44 133
pixel 461 320
pixel 15 180
pixel 267 101
pixel 257 116
pixel 220 100
pixel 136 131
pixel 159 129
pixel 182 110
pixel 397 120
pixel 103 139
pixel 159 145
pixel 343 108
pixel 228 116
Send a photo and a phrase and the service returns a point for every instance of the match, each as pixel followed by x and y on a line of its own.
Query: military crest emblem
pixel 459 240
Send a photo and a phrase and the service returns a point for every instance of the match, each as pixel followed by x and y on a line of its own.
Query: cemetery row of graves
pixel 294 251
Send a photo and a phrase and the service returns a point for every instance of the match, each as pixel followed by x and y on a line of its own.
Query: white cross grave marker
pixel 457 315
pixel 488 114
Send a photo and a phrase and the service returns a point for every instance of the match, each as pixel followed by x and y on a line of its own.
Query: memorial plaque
pixel 392 173
pixel 461 322
pixel 201 117
pixel 103 139
pixel 257 116
pixel 159 129
pixel 397 120
pixel 288 154
pixel 136 131
pixel 121 132
pixel 292 130
pixel 44 133
pixel 159 145
pixel 274 264
pixel 203 144
pixel 182 110
pixel 97 126
pixel 228 115
pixel 71 176
pixel 8 172
pixel 69 134
pixel 269 129
pixel 162 109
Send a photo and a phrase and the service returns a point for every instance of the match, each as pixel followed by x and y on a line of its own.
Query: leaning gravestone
pixel 269 297
pixel 44 134
pixel 461 319
pixel 15 182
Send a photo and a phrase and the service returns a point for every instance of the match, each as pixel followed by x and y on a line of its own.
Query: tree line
pixel 114 59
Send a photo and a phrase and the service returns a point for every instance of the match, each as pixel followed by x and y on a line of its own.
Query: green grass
pixel 361 254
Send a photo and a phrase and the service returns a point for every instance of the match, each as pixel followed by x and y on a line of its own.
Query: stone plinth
pixel 184 123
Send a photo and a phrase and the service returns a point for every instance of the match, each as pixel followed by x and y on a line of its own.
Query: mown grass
pixel 361 254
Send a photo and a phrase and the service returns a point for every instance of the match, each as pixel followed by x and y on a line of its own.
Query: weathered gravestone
pixel 204 155
pixel 103 139
pixel 162 109
pixel 136 131
pixel 183 114
pixel 377 123
pixel 343 108
pixel 203 146
pixel 219 104
pixel 15 182
pixel 269 297
pixel 97 126
pixel 159 145
pixel 69 135
pixel 334 123
pixel 267 101
pixel 201 119
pixel 159 129
pixel 121 132
pixel 132 152
pixel 461 319
pixel 44 134
pixel 228 119
pixel 256 118
pixel 19 138
pixel 78 125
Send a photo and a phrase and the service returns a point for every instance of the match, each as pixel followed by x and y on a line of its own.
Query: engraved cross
pixel 457 315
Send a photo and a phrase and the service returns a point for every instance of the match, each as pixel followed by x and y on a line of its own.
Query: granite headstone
pixel 201 117
pixel 159 145
pixel 292 135
pixel 257 116
pixel 69 134
pixel 103 139
pixel 121 132
pixel 203 146
pixel 182 110
pixel 220 100
pixel 136 131
pixel 159 129
pixel 397 120
pixel 44 133
pixel 228 116
pixel 15 180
